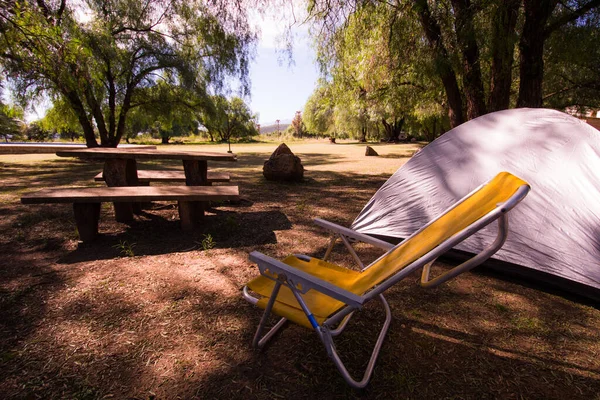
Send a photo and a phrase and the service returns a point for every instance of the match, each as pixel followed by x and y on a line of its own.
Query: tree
pixel 179 121
pixel 139 120
pixel 442 61
pixel 100 56
pixel 61 119
pixel 319 109
pixel 377 78
pixel 36 132
pixel 229 118
pixel 502 45
pixel 11 125
pixel 572 66
pixel 542 19
pixel 470 48
pixel 297 125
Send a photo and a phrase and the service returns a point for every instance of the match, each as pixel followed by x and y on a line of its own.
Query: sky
pixel 278 88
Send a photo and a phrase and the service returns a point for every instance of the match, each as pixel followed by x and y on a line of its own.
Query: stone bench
pixel 86 201
pixel 147 176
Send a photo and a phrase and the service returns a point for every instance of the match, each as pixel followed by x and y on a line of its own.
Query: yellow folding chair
pixel 323 296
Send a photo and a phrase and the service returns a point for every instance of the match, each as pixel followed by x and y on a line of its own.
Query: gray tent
pixel 555 230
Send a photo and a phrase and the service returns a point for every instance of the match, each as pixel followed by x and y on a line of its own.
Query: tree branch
pixel 567 17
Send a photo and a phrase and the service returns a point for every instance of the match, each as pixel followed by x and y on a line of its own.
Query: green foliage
pixel 102 58
pixel 208 242
pixel 168 112
pixel 437 64
pixel 319 110
pixel 125 248
pixel 573 66
pixel 61 119
pixel 36 132
pixel 11 125
pixel 379 74
pixel 228 119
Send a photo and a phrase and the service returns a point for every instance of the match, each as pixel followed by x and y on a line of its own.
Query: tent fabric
pixel 555 229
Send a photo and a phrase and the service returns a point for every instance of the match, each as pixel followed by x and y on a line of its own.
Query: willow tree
pixel 229 118
pixel 11 125
pixel 471 44
pixel 319 110
pixel 378 69
pixel 572 65
pixel 99 56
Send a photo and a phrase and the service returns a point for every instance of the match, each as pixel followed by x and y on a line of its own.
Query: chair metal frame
pixel 299 282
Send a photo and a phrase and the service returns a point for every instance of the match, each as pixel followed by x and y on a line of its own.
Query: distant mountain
pixel 281 121
pixel 273 127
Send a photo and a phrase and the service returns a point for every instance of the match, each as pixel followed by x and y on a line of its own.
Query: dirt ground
pixel 150 312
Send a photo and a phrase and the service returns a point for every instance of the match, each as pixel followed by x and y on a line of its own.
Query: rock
pixel 281 149
pixel 370 151
pixel 283 165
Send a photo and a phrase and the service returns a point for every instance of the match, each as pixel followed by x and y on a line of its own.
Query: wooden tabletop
pixel 51 148
pixel 103 153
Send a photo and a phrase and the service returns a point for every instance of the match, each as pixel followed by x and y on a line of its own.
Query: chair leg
pixel 330 247
pixel 340 328
pixel 331 351
pixel 260 341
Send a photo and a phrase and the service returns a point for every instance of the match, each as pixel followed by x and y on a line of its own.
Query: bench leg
pixel 132 180
pixel 190 213
pixel 117 172
pixel 196 174
pixel 86 219
pixel 144 205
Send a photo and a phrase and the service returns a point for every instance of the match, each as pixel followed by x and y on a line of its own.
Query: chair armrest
pixel 330 226
pixel 269 266
pixel 473 262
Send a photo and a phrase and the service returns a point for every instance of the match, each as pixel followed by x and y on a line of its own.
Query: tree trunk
pixel 86 125
pixel 442 62
pixel 430 134
pixel 465 33
pixel 125 107
pixel 393 130
pixel 96 109
pixel 531 48
pixel 503 45
pixel 387 128
pixel 363 134
pixel 535 32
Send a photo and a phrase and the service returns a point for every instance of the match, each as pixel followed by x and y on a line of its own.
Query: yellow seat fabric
pixel 498 190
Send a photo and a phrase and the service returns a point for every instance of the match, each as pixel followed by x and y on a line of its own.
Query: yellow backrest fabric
pixel 498 190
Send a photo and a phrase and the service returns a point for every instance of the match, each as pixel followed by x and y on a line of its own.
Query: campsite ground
pixel 148 311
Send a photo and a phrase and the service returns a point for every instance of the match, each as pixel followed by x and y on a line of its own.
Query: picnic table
pixel 120 169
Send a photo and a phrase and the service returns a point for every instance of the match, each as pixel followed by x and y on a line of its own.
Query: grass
pixel 147 312
pixel 125 248
pixel 207 242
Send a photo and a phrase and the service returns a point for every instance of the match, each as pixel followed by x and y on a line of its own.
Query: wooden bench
pixel 86 201
pixel 147 176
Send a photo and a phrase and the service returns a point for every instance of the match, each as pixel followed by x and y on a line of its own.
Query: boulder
pixel 370 151
pixel 283 165
pixel 281 149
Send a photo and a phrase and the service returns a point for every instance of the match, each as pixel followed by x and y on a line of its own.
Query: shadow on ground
pixel 168 321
